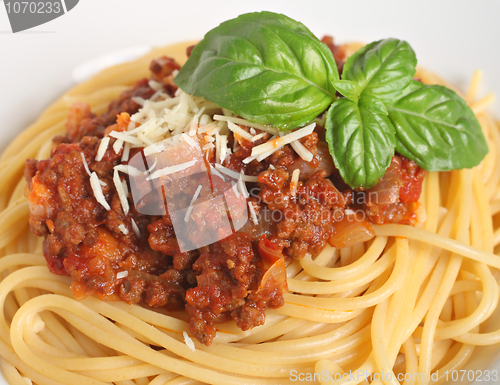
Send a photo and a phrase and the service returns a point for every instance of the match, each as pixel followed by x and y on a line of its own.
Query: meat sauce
pixel 236 278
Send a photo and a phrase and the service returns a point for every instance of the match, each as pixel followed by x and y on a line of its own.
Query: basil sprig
pixel 272 70
pixel 430 124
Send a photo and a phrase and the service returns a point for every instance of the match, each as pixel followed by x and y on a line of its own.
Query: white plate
pixel 451 37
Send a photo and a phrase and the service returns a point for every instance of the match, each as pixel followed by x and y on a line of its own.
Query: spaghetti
pixel 412 300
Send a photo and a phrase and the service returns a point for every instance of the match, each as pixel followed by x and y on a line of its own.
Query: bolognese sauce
pixel 136 258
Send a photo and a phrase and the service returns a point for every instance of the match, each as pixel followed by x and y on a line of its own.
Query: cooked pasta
pixel 411 300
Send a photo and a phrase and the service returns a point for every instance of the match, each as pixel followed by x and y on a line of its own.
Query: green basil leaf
pixel 436 128
pixel 348 88
pixel 412 86
pixel 373 103
pixel 265 67
pixel 382 68
pixel 361 142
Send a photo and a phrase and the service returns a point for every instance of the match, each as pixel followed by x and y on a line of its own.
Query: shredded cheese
pixel 123 229
pixel 234 174
pixel 85 164
pixel 155 85
pixel 152 167
pixel 294 183
pixel 126 152
pixel 171 169
pixel 301 151
pixel 259 136
pixel 217 147
pixel 121 274
pixel 121 192
pixel 125 137
pixel 189 140
pixel 244 122
pixel 135 228
pixel 239 131
pixel 190 208
pixel 223 148
pixel 117 146
pixel 242 187
pixel 249 159
pixel 154 148
pixel 132 171
pixel 140 101
pixel 97 190
pixel 274 144
pixel 125 187
pixel 103 146
pixel 86 167
pixel 253 214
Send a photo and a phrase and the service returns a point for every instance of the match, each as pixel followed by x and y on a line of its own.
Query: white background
pixel 452 37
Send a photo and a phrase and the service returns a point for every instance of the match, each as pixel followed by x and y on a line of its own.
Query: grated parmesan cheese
pixel 244 122
pixel 117 145
pixel 126 137
pixel 123 229
pixel 125 187
pixel 171 169
pixel 249 159
pixel 152 167
pixel 188 341
pixel 126 152
pixel 301 151
pixel 190 208
pixel 234 174
pixel 253 214
pixel 154 148
pixel 189 140
pixel 140 101
pixel 86 167
pixel 259 136
pixel 135 228
pixel 242 187
pixel 239 131
pixel 85 164
pixel 274 144
pixel 121 274
pixel 153 84
pixel 103 146
pixel 132 171
pixel 294 183
pixel 223 148
pixel 121 193
pixel 217 147
pixel 97 190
